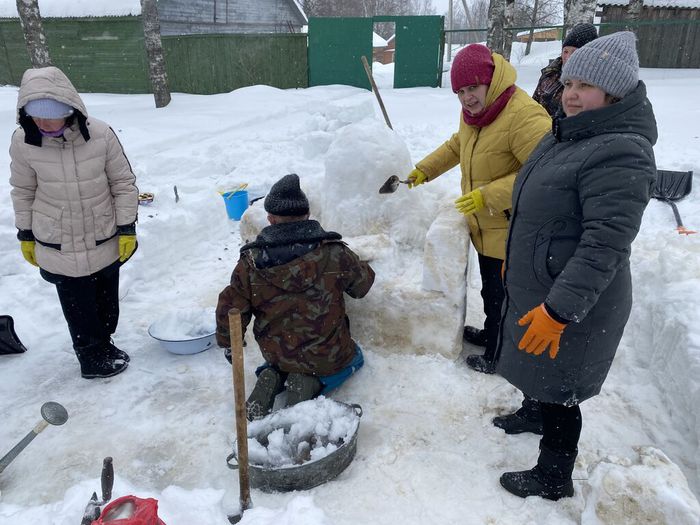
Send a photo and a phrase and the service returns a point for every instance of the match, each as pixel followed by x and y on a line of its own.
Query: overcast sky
pixel 441 6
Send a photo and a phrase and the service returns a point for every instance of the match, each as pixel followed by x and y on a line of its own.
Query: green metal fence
pixel 336 45
pixel 335 48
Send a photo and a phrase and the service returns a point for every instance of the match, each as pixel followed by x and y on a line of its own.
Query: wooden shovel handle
pixel 234 321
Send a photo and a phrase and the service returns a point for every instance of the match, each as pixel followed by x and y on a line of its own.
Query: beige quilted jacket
pixel 72 193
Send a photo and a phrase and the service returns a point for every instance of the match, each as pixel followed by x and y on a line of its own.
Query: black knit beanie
pixel 580 35
pixel 286 199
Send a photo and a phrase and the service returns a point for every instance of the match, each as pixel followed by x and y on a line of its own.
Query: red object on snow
pixel 130 510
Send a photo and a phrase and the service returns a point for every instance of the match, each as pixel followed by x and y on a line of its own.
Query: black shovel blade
pixel 391 185
pixel 9 342
pixel 672 185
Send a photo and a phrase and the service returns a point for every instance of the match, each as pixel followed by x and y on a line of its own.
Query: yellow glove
pixel 28 251
pixel 416 178
pixel 127 245
pixel 470 203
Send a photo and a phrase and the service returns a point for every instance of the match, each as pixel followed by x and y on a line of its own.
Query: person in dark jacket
pixel 577 207
pixel 549 88
pixel 293 278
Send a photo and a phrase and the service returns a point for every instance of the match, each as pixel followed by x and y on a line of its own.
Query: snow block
pixel 647 489
pixel 446 253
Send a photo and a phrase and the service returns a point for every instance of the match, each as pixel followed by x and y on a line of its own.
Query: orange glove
pixel 543 332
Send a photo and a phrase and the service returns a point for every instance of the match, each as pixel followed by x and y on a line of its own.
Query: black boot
pixel 528 418
pixel 549 479
pixel 302 387
pixel 115 353
pixel 481 364
pixel 95 361
pixel 261 400
pixel 474 336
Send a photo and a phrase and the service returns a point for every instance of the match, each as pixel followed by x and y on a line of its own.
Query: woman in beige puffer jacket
pixel 75 203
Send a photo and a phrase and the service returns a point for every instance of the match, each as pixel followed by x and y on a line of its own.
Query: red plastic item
pixel 130 510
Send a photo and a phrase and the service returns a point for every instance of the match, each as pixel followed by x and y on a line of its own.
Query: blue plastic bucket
pixel 236 203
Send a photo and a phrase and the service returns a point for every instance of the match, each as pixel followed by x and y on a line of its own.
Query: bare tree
pixel 578 11
pixel 154 51
pixel 34 37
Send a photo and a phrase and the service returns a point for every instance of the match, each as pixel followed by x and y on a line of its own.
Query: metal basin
pixel 307 475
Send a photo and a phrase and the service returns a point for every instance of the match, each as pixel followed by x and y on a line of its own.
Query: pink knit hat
pixel 472 66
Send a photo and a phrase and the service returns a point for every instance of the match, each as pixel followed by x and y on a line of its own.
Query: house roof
pixel 543 30
pixel 378 41
pixel 82 8
pixel 297 6
pixel 76 8
pixel 683 4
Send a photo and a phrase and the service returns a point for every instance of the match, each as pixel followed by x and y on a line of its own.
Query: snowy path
pixel 427 453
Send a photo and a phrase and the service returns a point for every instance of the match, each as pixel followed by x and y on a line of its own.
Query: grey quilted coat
pixel 72 191
pixel 577 206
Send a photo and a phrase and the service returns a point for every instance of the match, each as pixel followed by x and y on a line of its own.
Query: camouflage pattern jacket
pixel 549 89
pixel 292 279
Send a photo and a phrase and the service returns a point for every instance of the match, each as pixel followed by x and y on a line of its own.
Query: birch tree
pixel 154 51
pixel 496 23
pixel 34 37
pixel 578 11
pixel 634 13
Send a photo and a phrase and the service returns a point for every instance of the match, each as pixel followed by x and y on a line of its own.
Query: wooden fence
pixel 107 55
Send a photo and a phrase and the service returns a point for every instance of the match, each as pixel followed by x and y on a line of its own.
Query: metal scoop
pixel 53 414
pixel 392 184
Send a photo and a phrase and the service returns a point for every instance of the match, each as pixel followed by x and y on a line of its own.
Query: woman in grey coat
pixel 577 207
pixel 75 203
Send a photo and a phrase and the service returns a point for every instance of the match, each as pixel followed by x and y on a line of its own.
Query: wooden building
pixel 186 17
pixel 540 35
pixel 668 31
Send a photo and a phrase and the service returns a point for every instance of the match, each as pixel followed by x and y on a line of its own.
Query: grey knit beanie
pixel 580 35
pixel 286 199
pixel 609 62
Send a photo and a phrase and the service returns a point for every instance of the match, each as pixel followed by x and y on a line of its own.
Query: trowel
pixel 392 184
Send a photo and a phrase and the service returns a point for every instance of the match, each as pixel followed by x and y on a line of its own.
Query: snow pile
pixel 360 159
pixel 649 489
pixel 300 434
pixel 184 324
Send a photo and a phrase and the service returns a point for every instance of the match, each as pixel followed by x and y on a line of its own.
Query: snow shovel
pixel 236 334
pixel 92 509
pixel 53 414
pixel 392 184
pixel 671 186
pixel 9 342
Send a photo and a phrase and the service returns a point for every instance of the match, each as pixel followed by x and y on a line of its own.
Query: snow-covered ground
pixel 427 452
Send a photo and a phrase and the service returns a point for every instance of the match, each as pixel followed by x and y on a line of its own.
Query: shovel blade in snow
pixel 672 185
pixel 9 342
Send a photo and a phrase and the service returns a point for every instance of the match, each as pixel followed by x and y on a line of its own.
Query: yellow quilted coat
pixel 490 158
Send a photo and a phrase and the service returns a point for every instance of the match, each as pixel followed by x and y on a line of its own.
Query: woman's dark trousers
pixel 90 304
pixel 493 294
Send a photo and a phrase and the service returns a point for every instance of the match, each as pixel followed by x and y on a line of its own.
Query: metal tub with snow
pixel 301 447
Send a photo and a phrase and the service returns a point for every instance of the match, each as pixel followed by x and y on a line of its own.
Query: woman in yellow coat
pixel 499 126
